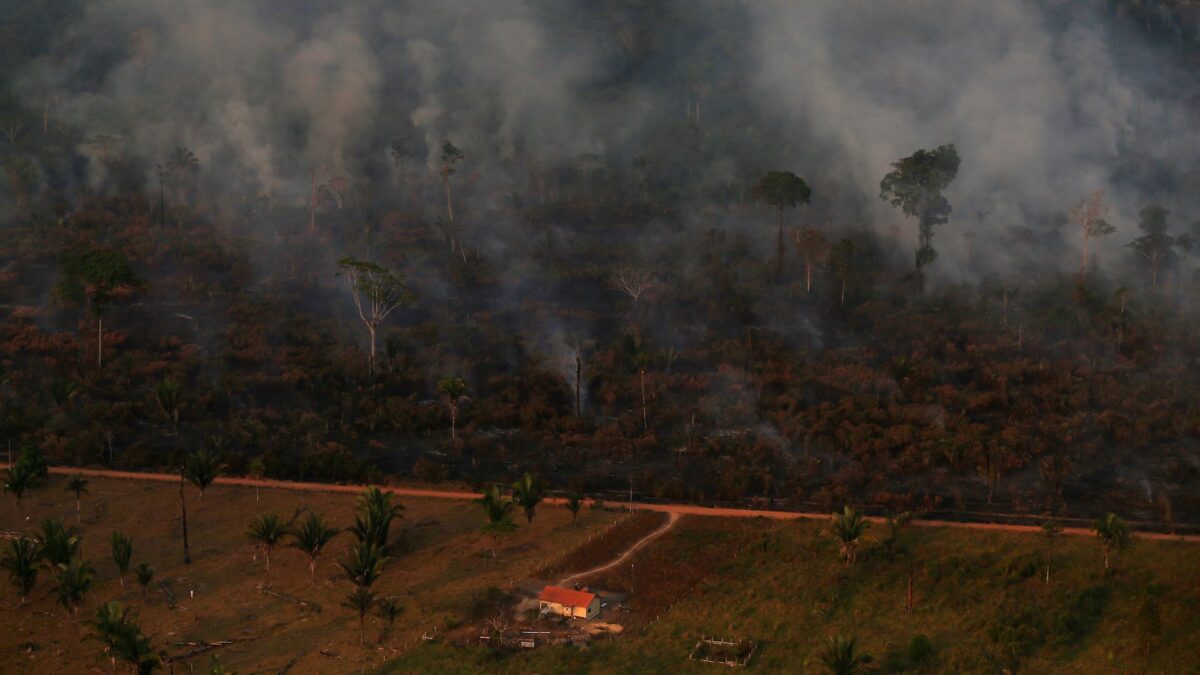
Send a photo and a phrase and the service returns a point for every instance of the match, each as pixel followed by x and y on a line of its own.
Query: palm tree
pixel 74 582
pixel 841 656
pixel 454 391
pixel 528 493
pixel 107 628
pixel 360 600
pixel 311 537
pixel 122 551
pixel 376 511
pixel 574 503
pixel 389 609
pixel 59 544
pixel 124 639
pixel 499 515
pixel 1113 534
pixel 144 574
pixel 21 562
pixel 849 527
pixel 79 485
pixel 201 469
pixel 18 479
pixel 363 564
pixel 266 531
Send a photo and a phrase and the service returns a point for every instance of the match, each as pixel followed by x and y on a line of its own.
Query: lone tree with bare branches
pixel 633 281
pixel 782 190
pixel 1088 215
pixel 377 292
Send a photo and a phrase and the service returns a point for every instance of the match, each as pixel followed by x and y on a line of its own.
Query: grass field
pixel 980 599
pixel 443 563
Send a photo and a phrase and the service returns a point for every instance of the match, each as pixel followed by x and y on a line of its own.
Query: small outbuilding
pixel 579 604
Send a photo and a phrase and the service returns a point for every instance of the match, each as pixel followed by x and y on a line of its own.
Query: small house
pixel 579 604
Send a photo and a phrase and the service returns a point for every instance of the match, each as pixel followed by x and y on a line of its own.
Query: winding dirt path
pixel 672 517
pixel 674 509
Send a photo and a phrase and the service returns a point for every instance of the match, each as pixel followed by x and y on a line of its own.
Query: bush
pixel 920 649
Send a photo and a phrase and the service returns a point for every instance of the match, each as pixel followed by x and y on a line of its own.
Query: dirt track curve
pixel 675 509
pixel 671 520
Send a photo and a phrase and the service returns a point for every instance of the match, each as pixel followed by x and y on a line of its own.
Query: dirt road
pixel 674 509
pixel 671 520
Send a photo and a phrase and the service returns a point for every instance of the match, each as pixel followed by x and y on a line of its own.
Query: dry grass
pixel 442 562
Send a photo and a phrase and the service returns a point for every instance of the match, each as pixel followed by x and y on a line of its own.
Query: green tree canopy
pixel 915 185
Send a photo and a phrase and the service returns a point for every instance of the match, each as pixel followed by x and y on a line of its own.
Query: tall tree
pixel 448 167
pixel 1113 534
pixel 266 531
pixel 311 537
pixel 849 527
pixel 95 277
pixel 1088 215
pixel 813 247
pixel 377 292
pixel 781 190
pixel 915 185
pixel 122 552
pixel 1155 246
pixel 454 393
pixel 499 515
pixel 79 485
pixel 20 561
pixel 528 493
pixel 841 257
pixel 202 468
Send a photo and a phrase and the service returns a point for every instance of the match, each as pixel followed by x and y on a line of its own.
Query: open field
pixel 443 563
pixel 980 597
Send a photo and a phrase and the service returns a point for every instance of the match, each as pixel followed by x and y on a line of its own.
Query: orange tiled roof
pixel 566 596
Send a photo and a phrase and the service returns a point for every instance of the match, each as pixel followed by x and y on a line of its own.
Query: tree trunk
pixel 187 553
pixel 645 421
pixel 578 383
pixel 807 275
pixel 1084 262
pixel 909 606
pixel 1106 556
pixel 99 341
pixel 842 299
pixel 449 203
pixel 779 247
pixel 371 358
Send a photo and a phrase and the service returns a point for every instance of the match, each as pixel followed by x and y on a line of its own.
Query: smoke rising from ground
pixel 1045 102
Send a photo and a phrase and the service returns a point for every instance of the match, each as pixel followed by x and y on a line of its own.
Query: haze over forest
pixel 577 198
